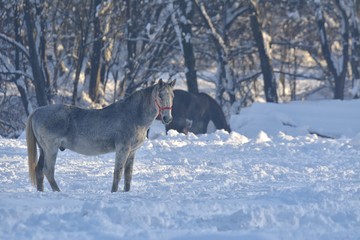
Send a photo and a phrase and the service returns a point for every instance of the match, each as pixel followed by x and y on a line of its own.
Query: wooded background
pixel 67 51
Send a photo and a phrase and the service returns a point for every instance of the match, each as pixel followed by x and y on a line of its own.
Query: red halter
pixel 161 108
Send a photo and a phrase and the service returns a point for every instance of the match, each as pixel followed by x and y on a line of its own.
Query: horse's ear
pixel 172 83
pixel 161 83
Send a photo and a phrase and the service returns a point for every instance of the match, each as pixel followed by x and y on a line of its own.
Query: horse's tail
pixel 32 151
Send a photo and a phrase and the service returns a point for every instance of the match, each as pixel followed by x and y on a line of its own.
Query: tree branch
pixel 17 73
pixel 7 124
pixel 299 75
pixel 16 44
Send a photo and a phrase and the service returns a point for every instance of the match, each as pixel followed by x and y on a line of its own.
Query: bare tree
pixel 355 46
pixel 185 16
pixel 30 13
pixel 51 50
pixel 95 61
pixel 339 73
pixel 270 88
pixel 83 24
pixel 225 73
pixel 21 87
pixel 150 42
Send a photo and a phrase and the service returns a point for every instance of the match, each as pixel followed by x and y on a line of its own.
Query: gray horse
pixel 120 127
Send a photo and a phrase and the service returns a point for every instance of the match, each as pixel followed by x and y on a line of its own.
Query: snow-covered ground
pixel 268 179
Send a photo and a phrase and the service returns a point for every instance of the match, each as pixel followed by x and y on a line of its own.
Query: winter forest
pixel 93 52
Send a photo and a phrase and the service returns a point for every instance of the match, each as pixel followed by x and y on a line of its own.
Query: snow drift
pixel 269 179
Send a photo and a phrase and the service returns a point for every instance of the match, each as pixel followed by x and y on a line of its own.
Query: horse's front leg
pixel 128 171
pixel 120 159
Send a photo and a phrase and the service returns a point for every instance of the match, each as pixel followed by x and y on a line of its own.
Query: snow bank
pixel 265 180
pixel 328 118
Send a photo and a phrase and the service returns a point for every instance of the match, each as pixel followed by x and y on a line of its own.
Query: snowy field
pixel 269 179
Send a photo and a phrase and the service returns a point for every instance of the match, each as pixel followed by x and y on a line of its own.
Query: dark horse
pixel 120 127
pixel 193 112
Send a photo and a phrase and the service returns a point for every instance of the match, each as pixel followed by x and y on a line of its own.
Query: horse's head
pixel 163 95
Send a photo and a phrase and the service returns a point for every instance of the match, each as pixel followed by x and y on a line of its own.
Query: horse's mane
pixel 139 94
pixel 134 102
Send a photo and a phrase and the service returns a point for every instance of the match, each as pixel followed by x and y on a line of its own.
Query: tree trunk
pixel 225 82
pixel 266 67
pixel 20 87
pixel 131 45
pixel 42 52
pixel 338 75
pixel 340 82
pixel 355 50
pixel 81 55
pixel 187 47
pixel 96 55
pixel 84 29
pixel 293 81
pixel 38 74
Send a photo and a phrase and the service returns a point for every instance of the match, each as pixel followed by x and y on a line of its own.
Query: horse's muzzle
pixel 166 119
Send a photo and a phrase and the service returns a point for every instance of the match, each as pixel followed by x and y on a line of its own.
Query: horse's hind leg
pixel 39 172
pixel 128 171
pixel 49 170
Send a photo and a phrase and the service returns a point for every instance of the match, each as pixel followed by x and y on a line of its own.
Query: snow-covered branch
pixel 233 14
pixel 21 47
pixel 210 25
pixel 17 73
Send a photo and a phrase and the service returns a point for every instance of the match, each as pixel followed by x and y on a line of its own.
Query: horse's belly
pixel 90 151
pixel 91 147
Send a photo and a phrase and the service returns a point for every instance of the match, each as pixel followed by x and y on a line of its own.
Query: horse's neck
pixel 141 107
pixel 148 109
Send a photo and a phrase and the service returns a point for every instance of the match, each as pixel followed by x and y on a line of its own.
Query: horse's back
pixel 182 100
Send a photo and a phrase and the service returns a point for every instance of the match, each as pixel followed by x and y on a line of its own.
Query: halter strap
pixel 161 108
